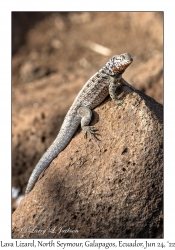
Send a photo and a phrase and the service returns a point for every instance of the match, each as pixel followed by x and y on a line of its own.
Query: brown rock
pixel 111 188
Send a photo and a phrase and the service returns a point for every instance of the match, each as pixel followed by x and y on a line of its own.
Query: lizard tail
pixel 63 138
pixel 42 164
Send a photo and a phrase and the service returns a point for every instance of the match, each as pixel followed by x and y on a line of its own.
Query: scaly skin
pixel 96 89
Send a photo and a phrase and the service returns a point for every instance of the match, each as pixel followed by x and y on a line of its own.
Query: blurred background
pixel 54 54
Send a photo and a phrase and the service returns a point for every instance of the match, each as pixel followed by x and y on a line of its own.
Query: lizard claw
pixel 119 102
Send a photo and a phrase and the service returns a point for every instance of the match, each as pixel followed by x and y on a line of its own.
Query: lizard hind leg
pixel 86 114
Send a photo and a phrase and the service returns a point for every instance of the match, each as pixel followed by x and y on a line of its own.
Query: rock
pixel 112 188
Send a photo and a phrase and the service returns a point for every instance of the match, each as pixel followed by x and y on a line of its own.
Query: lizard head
pixel 118 64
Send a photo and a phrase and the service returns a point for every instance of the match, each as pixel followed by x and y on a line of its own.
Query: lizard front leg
pixel 125 83
pixel 114 82
pixel 85 113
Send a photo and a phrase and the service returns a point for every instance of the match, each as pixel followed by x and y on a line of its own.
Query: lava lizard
pixel 96 89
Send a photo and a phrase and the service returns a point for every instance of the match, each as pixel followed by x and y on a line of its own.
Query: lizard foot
pixel 92 130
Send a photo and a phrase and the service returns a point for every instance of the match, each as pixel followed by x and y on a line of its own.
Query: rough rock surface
pixel 111 188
